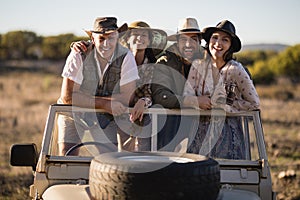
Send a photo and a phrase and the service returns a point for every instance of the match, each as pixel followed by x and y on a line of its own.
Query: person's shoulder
pixel 238 68
pixel 129 60
pixel 75 56
pixel 167 56
pixel 199 65
pixel 172 50
pixel 80 55
pixel 200 61
pixel 235 64
pixel 74 53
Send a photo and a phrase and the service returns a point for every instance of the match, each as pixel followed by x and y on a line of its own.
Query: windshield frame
pixel 50 128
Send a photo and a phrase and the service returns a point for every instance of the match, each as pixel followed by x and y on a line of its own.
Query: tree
pixel 262 73
pixel 15 44
pixel 249 57
pixel 288 63
pixel 58 47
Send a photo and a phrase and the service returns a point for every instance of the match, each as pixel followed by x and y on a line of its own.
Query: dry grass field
pixel 26 94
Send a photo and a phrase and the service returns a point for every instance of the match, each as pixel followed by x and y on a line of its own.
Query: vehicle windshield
pixel 210 133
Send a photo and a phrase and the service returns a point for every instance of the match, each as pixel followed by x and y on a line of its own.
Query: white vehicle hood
pixel 67 191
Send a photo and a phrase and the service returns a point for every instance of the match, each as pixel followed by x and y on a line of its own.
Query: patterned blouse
pixel 144 83
pixel 205 79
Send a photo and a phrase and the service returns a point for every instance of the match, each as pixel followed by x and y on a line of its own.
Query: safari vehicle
pixel 144 175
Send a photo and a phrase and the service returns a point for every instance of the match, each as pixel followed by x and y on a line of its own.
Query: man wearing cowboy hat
pixel 103 77
pixel 145 43
pixel 171 72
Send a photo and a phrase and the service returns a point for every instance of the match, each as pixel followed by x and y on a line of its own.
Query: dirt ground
pixel 26 95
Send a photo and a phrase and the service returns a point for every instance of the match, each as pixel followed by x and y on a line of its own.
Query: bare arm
pixel 126 93
pixel 66 91
pixel 193 98
pixel 70 94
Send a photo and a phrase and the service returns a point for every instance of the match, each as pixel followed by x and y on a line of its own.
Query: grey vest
pixel 111 77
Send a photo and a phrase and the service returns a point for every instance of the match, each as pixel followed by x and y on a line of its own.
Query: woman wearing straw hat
pixel 145 43
pixel 227 84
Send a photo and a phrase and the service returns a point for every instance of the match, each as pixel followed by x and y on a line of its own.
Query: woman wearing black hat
pixel 227 84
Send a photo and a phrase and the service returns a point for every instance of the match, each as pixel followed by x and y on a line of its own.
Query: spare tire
pixel 154 176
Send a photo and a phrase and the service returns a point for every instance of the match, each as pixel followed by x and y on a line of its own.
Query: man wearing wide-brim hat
pixel 146 44
pixel 172 70
pixel 103 77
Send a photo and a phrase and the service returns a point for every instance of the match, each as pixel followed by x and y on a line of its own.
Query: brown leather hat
pixel 105 25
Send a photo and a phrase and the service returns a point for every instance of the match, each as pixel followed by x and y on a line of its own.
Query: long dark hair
pixel 228 55
pixel 150 55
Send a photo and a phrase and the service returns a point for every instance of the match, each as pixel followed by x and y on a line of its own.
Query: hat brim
pixel 174 36
pixel 236 42
pixel 121 29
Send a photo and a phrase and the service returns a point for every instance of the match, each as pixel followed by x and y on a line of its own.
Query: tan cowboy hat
pixel 105 25
pixel 186 25
pixel 158 37
pixel 227 27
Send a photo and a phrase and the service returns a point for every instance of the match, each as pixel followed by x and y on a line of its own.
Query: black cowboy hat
pixel 227 27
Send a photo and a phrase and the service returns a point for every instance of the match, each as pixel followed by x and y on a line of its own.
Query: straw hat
pixel 158 37
pixel 187 25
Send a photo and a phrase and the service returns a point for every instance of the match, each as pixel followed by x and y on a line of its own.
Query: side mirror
pixel 24 155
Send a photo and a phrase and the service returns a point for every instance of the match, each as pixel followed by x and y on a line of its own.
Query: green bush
pixel 262 73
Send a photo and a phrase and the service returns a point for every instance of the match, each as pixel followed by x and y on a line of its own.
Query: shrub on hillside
pixel 262 73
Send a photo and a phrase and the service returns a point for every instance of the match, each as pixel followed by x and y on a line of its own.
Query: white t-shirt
pixel 74 66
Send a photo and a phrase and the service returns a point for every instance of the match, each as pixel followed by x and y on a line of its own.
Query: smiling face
pixel 105 44
pixel 219 44
pixel 188 45
pixel 138 39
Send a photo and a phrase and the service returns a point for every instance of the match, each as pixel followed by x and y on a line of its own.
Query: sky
pixel 256 21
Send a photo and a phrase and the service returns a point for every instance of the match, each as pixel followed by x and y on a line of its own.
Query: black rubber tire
pixel 127 175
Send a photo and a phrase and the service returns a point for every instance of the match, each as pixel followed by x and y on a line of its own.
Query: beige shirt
pixel 205 79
